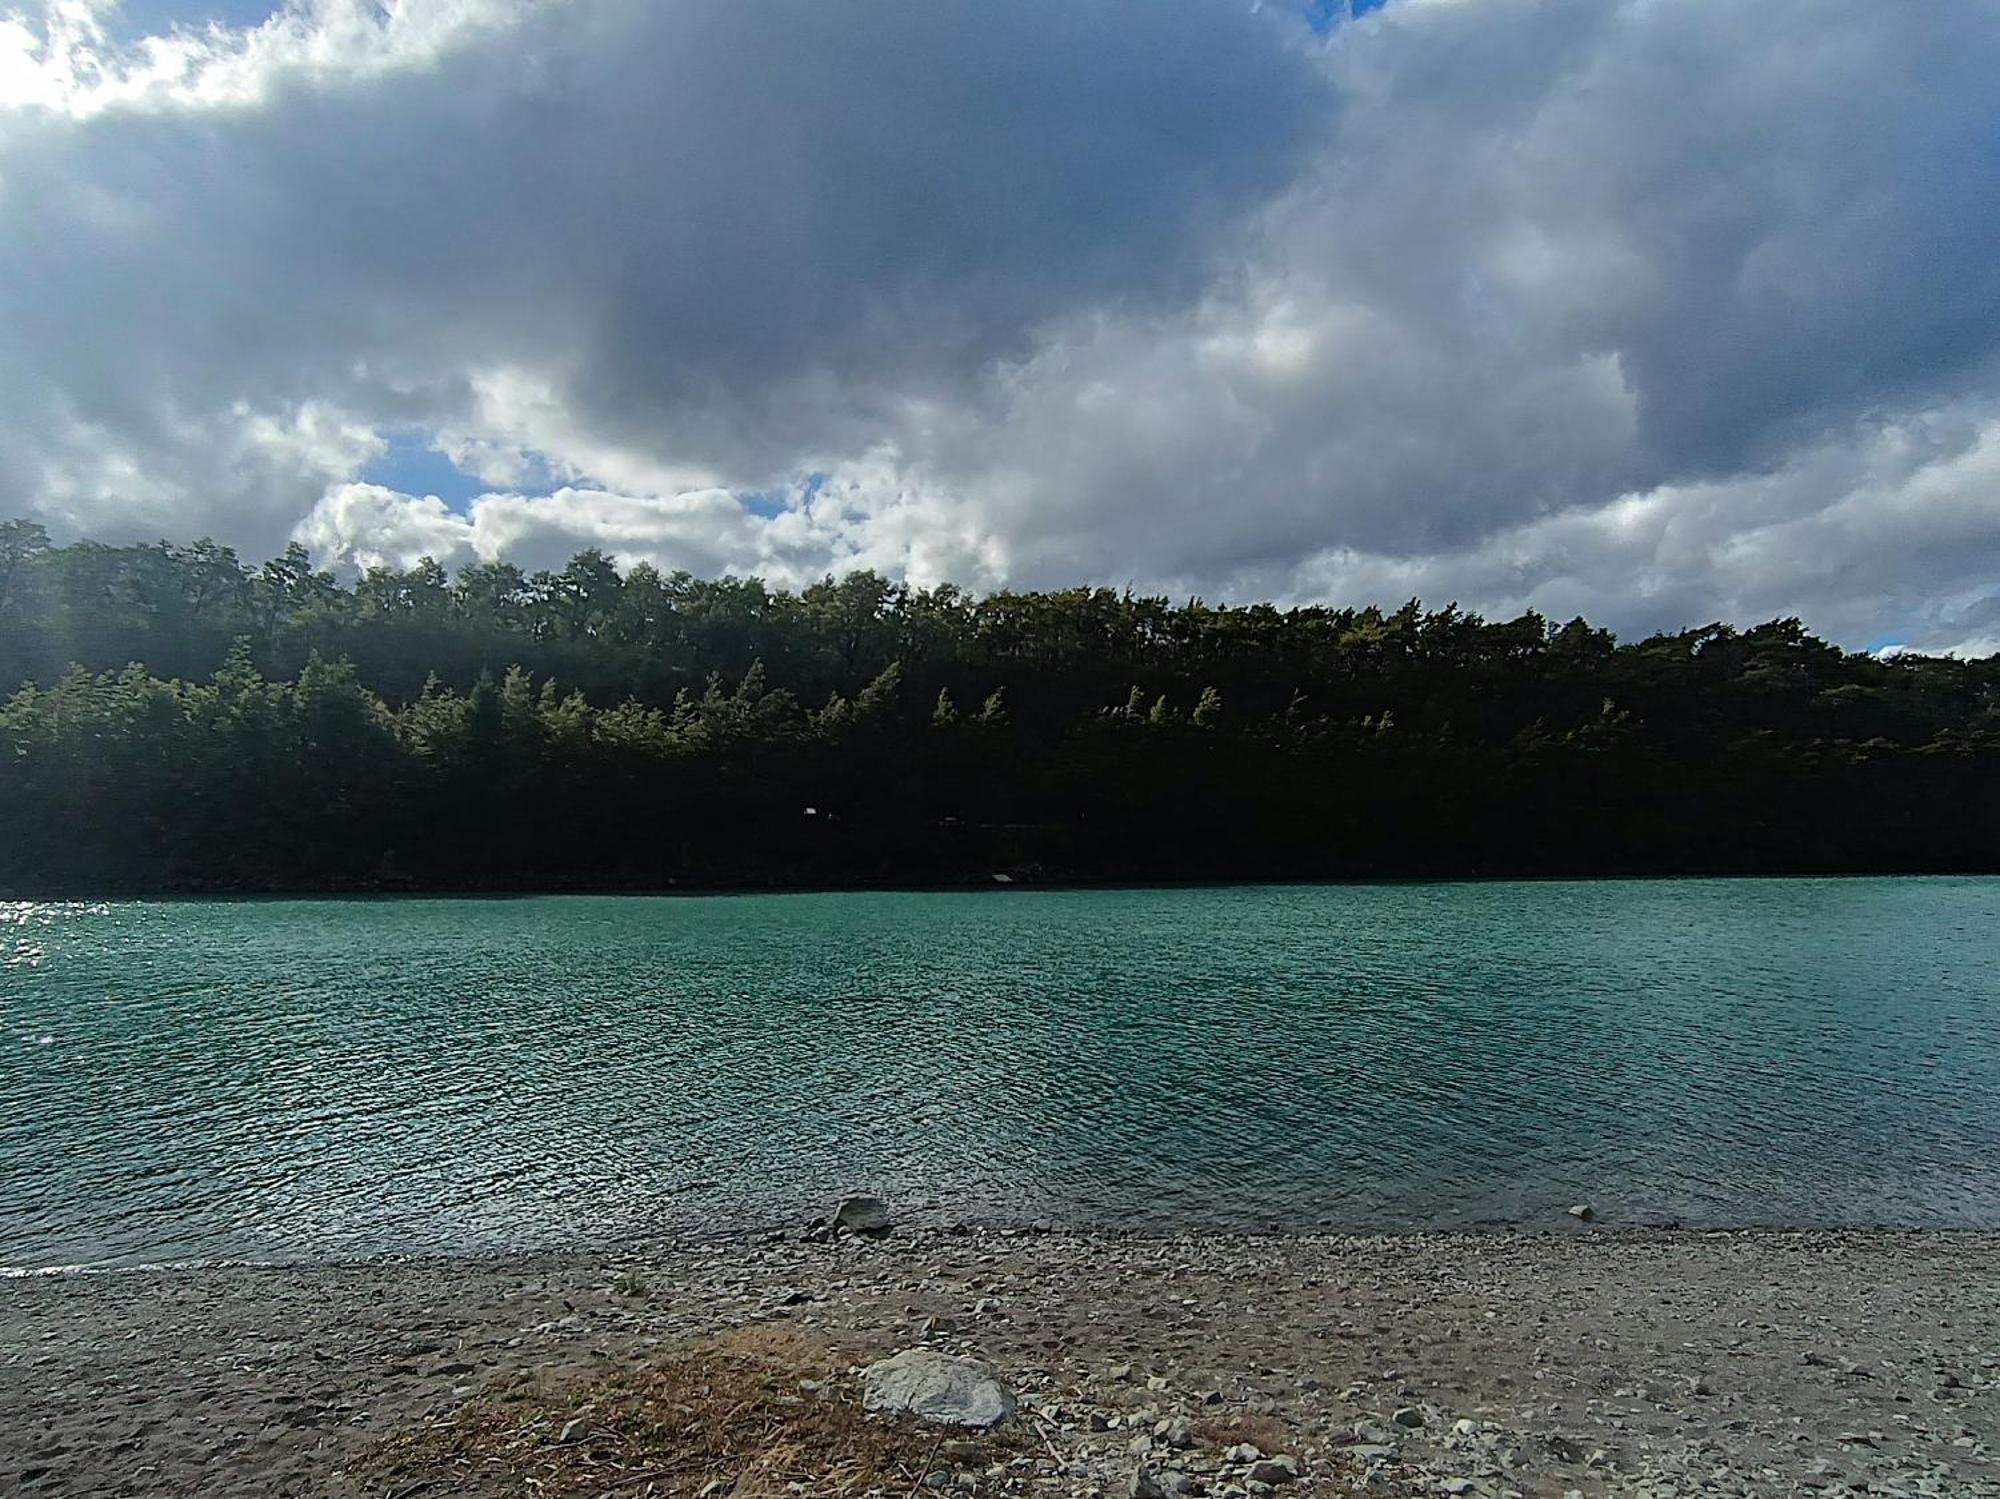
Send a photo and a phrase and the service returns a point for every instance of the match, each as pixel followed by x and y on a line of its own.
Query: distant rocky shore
pixel 1595 1363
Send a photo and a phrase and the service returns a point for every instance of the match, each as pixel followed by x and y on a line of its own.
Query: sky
pixel 1654 311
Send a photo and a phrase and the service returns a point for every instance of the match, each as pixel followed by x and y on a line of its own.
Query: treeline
pixel 189 722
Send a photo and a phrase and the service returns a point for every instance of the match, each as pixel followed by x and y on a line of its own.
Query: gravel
pixel 1632 1363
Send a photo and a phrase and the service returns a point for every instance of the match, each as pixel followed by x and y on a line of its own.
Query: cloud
pixel 708 532
pixel 1894 523
pixel 1656 313
pixel 1557 256
pixel 705 532
pixel 677 242
pixel 1971 632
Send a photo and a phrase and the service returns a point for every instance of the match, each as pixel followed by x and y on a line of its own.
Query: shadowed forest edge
pixel 191 723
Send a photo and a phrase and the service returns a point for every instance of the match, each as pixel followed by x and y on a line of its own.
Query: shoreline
pixel 914 1228
pixel 1600 1362
pixel 1014 881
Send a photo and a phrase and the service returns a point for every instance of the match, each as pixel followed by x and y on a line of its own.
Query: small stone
pixel 1242 1452
pixel 1140 1446
pixel 1097 1421
pixel 962 1453
pixel 1157 1382
pixel 574 1430
pixel 1274 1470
pixel 1456 1485
pixel 1164 1485
pixel 1562 1449
pixel 1175 1433
pixel 1409 1418
pixel 1582 1212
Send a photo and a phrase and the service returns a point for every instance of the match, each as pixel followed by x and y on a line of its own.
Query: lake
pixel 335 1078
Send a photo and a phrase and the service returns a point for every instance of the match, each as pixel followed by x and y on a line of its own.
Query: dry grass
pixel 760 1413
pixel 1265 1433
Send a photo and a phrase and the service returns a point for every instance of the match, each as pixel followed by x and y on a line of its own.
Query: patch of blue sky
pixel 137 18
pixel 769 503
pixel 413 465
pixel 765 504
pixel 1324 15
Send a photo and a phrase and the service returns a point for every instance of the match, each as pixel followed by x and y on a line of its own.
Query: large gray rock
pixel 863 1215
pixel 936 1387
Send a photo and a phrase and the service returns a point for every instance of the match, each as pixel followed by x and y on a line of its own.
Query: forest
pixel 189 722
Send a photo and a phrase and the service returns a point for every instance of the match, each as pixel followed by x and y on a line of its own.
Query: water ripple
pixel 271 1080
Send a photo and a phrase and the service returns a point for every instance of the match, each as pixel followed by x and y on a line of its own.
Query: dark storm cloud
pixel 1655 311
pixel 1560 254
pixel 730 231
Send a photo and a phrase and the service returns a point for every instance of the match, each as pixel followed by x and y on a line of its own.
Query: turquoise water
pixel 332 1078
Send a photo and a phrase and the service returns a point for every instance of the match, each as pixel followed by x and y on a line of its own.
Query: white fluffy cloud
pixel 1656 313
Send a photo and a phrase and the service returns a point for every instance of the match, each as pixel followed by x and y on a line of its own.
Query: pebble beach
pixel 1580 1363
